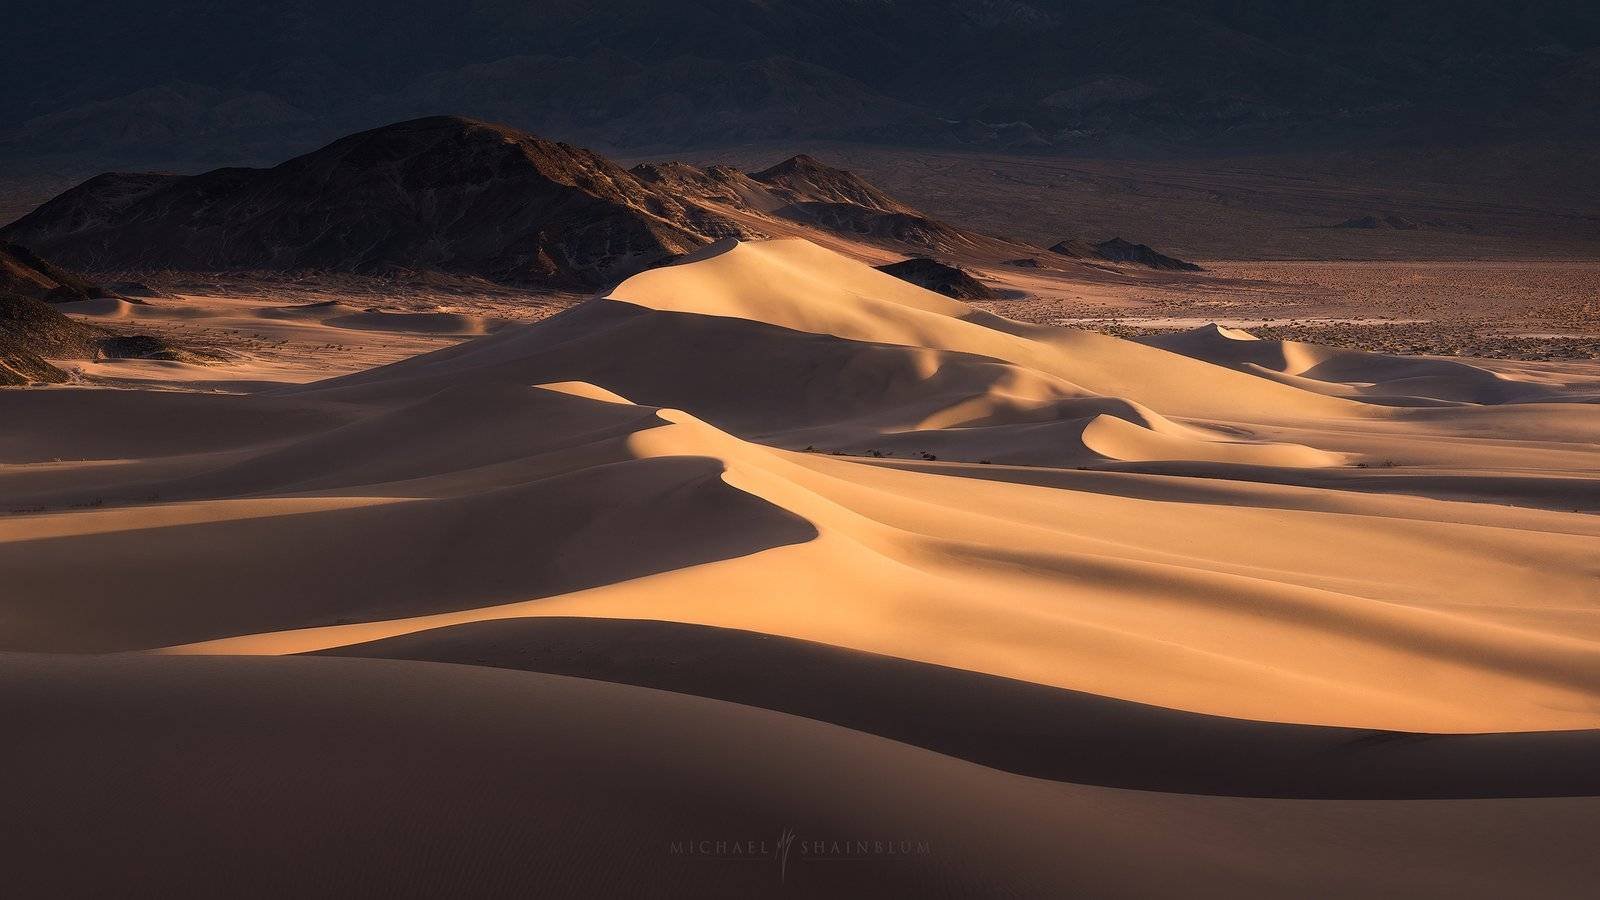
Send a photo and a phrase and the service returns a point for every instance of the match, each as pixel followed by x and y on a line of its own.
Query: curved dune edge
pixel 100 308
pixel 794 284
pixel 1350 373
pixel 419 322
pixel 1013 725
pixel 1119 439
pixel 1040 594
pixel 463 779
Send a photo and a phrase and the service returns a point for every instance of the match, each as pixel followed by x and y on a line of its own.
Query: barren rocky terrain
pixel 1546 309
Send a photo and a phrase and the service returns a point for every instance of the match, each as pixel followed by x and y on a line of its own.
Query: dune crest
pixel 1374 377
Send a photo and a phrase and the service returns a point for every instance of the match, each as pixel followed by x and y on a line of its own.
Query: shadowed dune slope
pixel 1017 726
pixel 322 777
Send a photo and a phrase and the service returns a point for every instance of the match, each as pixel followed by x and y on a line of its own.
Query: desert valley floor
pixel 500 591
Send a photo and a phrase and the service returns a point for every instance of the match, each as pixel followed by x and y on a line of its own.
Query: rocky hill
pixel 23 274
pixel 1117 250
pixel 443 193
pixel 804 191
pixel 802 179
pixel 942 278
pixel 31 332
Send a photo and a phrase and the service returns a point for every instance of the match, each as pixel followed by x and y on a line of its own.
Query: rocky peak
pixel 802 179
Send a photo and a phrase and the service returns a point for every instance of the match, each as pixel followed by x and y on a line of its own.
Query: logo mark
pixel 785 841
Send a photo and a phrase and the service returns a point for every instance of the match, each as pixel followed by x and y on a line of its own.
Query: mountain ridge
pixel 453 194
pixel 442 192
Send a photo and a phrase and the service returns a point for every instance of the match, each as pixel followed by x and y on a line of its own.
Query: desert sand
pixel 768 541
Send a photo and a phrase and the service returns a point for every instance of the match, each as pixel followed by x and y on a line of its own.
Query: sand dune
pixel 420 322
pixel 797 285
pixel 774 477
pixel 1351 373
pixel 469 780
pixel 345 315
pixel 455 458
pixel 101 308
pixel 1018 726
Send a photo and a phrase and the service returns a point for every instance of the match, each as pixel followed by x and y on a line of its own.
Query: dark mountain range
pixel 257 82
pixel 444 193
pixel 456 195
